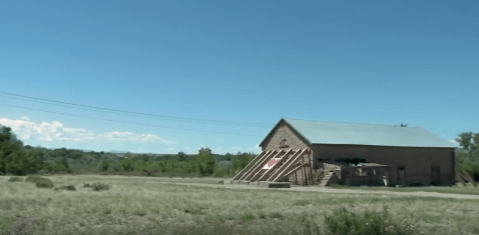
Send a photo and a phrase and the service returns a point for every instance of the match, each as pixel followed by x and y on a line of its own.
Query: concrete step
pixel 325 179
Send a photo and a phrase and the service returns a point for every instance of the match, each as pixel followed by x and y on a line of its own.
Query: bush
pixel 344 222
pixel 247 217
pixel 67 187
pixel 15 179
pixel 276 215
pixel 32 178
pixel 40 182
pixel 97 186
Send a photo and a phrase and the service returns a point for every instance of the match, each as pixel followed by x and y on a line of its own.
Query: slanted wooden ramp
pixel 462 176
pixel 273 166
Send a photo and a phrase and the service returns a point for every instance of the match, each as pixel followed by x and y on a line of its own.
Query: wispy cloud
pixel 45 131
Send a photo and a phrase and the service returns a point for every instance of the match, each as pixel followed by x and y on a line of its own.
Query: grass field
pixel 150 205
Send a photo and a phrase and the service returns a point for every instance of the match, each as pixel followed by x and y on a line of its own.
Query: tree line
pixel 17 159
pixel 468 155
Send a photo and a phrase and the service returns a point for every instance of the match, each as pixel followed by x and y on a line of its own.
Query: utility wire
pixel 126 114
pixel 134 123
pixel 129 113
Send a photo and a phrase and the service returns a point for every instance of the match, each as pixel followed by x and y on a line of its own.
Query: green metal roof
pixel 366 134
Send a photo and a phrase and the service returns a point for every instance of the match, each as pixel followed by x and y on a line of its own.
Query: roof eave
pixel 306 140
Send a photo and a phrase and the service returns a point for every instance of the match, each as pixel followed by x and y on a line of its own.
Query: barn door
pixel 435 175
pixel 401 179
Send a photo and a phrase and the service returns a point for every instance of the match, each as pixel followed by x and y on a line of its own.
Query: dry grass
pixel 134 205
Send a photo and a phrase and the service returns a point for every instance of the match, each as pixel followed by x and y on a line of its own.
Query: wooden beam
pixel 273 167
pixel 304 173
pixel 310 159
pixel 286 166
pixel 465 176
pixel 294 170
pixel 460 179
pixel 250 164
pixel 469 178
pixel 281 167
pixel 254 168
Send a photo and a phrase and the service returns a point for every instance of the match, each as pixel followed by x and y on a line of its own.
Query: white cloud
pixel 26 129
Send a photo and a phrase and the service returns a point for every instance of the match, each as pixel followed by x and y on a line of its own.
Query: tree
pixel 13 158
pixel 182 156
pixel 468 141
pixel 105 165
pixel 205 162
pixel 126 164
pixel 468 157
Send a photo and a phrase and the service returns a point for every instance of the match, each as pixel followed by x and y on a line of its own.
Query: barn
pixel 301 152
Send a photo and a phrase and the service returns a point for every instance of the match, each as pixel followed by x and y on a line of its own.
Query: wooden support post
pixel 286 166
pixel 305 177
pixel 256 165
pixel 310 158
pixel 469 178
pixel 250 164
pixel 463 174
pixel 280 168
pixel 459 178
pixel 295 169
pixel 253 174
pixel 275 165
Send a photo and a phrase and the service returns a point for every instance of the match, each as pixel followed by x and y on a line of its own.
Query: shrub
pixel 344 222
pixel 44 183
pixel 66 187
pixel 40 182
pixel 15 179
pixel 97 186
pixel 247 217
pixel 32 178
pixel 276 215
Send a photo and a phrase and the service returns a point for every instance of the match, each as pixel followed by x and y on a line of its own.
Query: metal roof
pixel 366 134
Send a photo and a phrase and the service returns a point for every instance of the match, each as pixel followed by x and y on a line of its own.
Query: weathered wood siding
pixel 417 161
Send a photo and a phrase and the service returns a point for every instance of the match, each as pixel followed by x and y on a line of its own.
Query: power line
pixel 129 113
pixel 125 114
pixel 134 123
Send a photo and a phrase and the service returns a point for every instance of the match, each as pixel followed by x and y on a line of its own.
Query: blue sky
pixel 385 62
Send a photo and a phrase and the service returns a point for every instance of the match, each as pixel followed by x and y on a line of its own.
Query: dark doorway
pixel 401 179
pixel 435 175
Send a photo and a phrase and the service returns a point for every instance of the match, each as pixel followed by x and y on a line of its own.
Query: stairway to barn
pixel 325 179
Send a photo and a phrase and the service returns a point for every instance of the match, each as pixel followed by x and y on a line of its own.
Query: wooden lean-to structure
pixel 273 168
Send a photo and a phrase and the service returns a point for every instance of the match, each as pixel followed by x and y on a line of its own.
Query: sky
pixel 221 74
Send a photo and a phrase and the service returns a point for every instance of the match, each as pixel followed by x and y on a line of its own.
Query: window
pixel 283 144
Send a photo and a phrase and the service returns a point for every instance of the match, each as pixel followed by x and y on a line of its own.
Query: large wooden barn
pixel 305 152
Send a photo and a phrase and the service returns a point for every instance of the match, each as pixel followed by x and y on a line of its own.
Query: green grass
pixel 370 222
pixel 144 205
